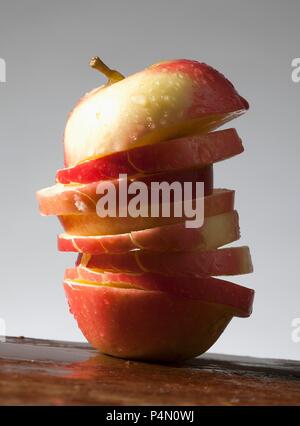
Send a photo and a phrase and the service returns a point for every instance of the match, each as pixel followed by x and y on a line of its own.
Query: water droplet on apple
pixel 139 100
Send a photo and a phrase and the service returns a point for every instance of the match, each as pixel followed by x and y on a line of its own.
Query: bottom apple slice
pixel 145 325
pixel 210 290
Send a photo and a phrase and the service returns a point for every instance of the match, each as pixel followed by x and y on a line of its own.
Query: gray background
pixel 47 45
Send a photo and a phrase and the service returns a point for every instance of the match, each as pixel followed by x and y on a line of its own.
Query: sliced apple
pixel 225 261
pixel 210 290
pixel 82 198
pixel 165 101
pixel 182 153
pixel 215 232
pixel 221 201
pixel 145 325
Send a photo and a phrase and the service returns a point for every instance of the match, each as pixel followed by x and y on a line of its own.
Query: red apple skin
pixel 165 101
pixel 82 198
pixel 225 261
pixel 211 290
pixel 182 153
pixel 145 325
pixel 212 90
pixel 216 231
pixel 221 201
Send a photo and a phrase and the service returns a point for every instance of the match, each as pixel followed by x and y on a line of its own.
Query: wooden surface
pixel 58 373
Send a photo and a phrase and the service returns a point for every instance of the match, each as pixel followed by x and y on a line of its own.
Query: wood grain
pixel 61 373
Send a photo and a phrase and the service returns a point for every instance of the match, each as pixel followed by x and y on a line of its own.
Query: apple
pixel 167 100
pixel 144 287
pixel 210 290
pixel 221 201
pixel 182 153
pixel 145 325
pixel 215 232
pixel 82 198
pixel 225 261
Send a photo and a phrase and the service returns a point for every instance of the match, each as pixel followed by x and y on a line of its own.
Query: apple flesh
pixel 225 261
pixel 215 232
pixel 182 153
pixel 145 325
pixel 210 290
pixel 221 201
pixel 82 198
pixel 165 101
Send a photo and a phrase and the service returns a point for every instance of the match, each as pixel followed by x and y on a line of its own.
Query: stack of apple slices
pixel 145 287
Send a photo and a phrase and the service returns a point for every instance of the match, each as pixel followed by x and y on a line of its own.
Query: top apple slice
pixel 175 154
pixel 167 100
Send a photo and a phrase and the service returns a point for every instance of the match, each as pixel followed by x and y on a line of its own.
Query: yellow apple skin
pixel 166 100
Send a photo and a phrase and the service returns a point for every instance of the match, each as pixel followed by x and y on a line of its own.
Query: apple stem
pixel 112 75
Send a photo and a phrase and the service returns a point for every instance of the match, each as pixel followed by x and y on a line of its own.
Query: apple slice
pixel 226 261
pixel 183 153
pixel 215 232
pixel 221 201
pixel 165 101
pixel 145 325
pixel 82 199
pixel 210 290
